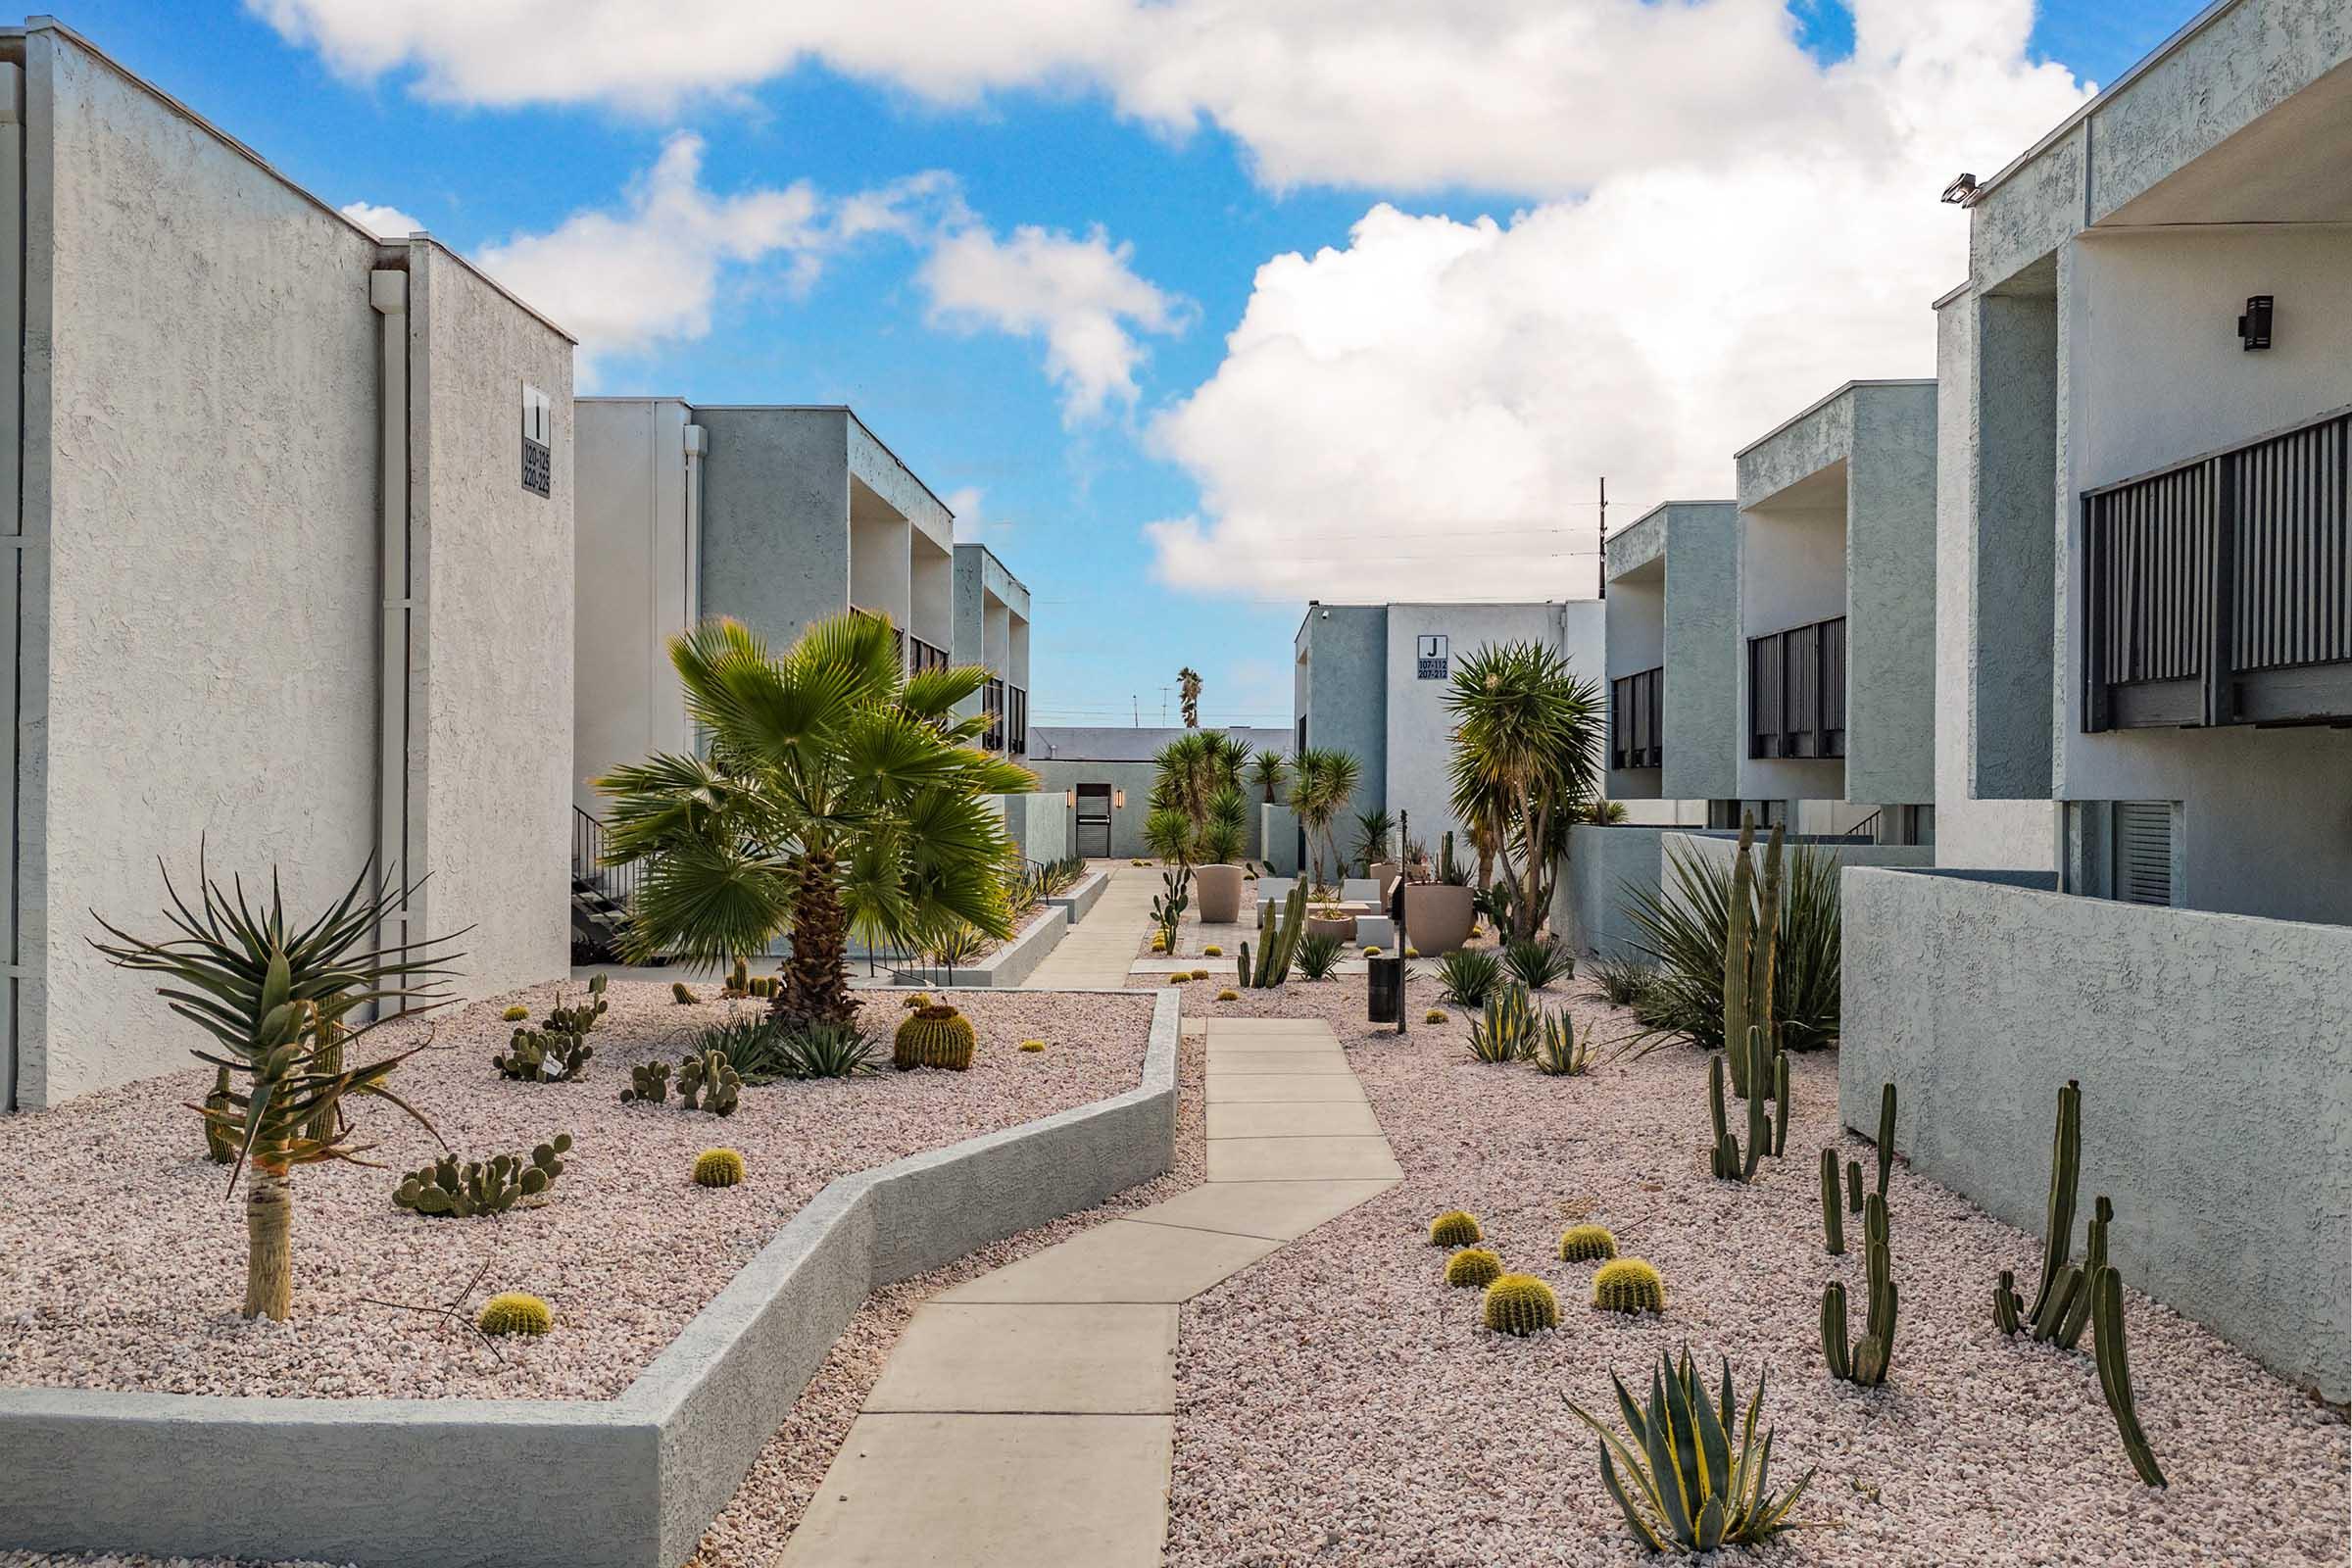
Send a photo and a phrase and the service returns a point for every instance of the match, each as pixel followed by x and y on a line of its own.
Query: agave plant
pixel 751 1043
pixel 826 1049
pixel 1685 926
pixel 1683 1488
pixel 1623 981
pixel 1562 1052
pixel 1536 964
pixel 1319 954
pixel 278 1001
pixel 957 947
pixel 1505 1031
pixel 1466 975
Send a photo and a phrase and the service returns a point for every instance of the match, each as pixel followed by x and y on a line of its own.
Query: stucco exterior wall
pixel 632 585
pixel 1418 740
pixel 1343 692
pixel 1595 886
pixel 1705 659
pixel 775 518
pixel 1633 616
pixel 2215 1054
pixel 200 608
pixel 491 820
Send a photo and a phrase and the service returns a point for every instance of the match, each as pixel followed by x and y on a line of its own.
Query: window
pixel 2143 852
pixel 1797 692
pixel 1429 657
pixel 1635 714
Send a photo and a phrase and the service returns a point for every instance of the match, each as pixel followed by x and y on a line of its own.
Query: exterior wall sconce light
pixel 1118 799
pixel 1070 798
pixel 2254 327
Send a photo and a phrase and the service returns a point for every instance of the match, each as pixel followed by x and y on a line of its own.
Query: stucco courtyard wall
pixel 1605 867
pixel 2215 1054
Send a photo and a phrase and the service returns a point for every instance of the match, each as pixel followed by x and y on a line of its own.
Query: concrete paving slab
pixel 1036 1358
pixel 1229 1061
pixel 1276 1044
pixel 1275 1159
pixel 1278 1210
pixel 1120 1262
pixel 1243 1088
pixel 992 1491
pixel 1271 1026
pixel 1319 1119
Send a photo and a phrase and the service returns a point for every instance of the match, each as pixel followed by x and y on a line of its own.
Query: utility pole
pixel 1604 536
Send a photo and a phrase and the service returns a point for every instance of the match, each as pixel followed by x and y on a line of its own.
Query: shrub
pixel 1628 1285
pixel 1584 1244
pixel 1473 1269
pixel 1536 964
pixel 1507 1031
pixel 1699 1494
pixel 1467 976
pixel 1624 982
pixel 718 1167
pixel 934 1037
pixel 515 1013
pixel 1520 1303
pixel 1685 927
pixel 1455 1228
pixel 514 1312
pixel 1318 956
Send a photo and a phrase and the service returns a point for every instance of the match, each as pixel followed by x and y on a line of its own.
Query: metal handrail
pixel 589 844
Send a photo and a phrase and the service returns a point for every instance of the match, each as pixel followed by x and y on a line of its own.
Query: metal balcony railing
pixel 2219 591
pixel 923 655
pixel 589 873
pixel 1636 711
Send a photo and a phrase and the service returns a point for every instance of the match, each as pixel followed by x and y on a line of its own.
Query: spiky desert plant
pixel 751 1043
pixel 718 1167
pixel 1466 975
pixel 1474 1268
pixel 1853 1187
pixel 2115 1371
pixel 1832 1216
pixel 826 1050
pixel 1519 1305
pixel 1623 981
pixel 1562 1053
pixel 1886 1135
pixel 934 1037
pixel 1455 1228
pixel 1866 1362
pixel 220 1141
pixel 275 997
pixel 648 1085
pixel 836 792
pixel 1322 780
pixel 1628 1285
pixel 1725 1158
pixel 1167 911
pixel 1583 1244
pixel 449 1190
pixel 1682 926
pixel 1213 950
pixel 681 993
pixel 1505 1030
pixel 1229 994
pixel 1525 760
pixel 514 1312
pixel 1033 1046
pixel 2058 1281
pixel 1436 1015
pixel 708 1082
pixel 1536 964
pixel 1198 975
pixel 1268 770
pixel 1372 830
pixel 1684 1485
pixel 1319 956
pixel 1282 938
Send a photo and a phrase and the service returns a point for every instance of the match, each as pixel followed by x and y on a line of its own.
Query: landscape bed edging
pixel 1082 895
pixel 1011 964
pixel 625 1483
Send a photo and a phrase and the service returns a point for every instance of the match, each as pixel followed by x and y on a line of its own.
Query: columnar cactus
pixel 1628 1285
pixel 2115 1370
pixel 707 1081
pixel 1832 1217
pixel 2058 1233
pixel 1779 1104
pixel 718 1167
pixel 220 1143
pixel 1583 1244
pixel 514 1312
pixel 1853 1187
pixel 1520 1303
pixel 1886 1135
pixel 1455 1228
pixel 1474 1268
pixel 1738 937
pixel 682 995
pixel 1725 1158
pixel 933 1037
pixel 1866 1362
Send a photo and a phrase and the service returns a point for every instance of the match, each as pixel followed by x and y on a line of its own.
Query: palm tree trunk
pixel 268 1244
pixel 817 979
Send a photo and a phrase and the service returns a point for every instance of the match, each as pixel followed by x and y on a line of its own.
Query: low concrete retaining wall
pixel 1593 892
pixel 1721 846
pixel 626 1482
pixel 1008 965
pixel 1083 896
pixel 2215 1054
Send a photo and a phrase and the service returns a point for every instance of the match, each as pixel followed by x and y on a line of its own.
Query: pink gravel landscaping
pixel 1337 1403
pixel 126 1260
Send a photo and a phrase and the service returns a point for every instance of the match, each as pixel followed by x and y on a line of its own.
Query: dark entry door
pixel 1094 821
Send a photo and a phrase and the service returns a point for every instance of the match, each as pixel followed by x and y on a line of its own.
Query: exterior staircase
pixel 600 893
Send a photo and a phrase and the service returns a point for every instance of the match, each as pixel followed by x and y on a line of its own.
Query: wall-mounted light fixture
pixel 1070 798
pixel 2254 327
pixel 1118 799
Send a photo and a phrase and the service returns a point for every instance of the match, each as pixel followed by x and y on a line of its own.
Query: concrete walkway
pixel 1094 954
pixel 1027 1417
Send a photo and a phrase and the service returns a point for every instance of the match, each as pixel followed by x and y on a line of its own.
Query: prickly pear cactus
pixel 1586 1244
pixel 1628 1285
pixel 1473 1269
pixel 1455 1228
pixel 934 1037
pixel 449 1190
pixel 1520 1303
pixel 514 1312
pixel 718 1167
pixel 706 1081
pixel 649 1083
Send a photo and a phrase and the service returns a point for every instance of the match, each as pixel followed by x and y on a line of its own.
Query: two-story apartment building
pixel 992 630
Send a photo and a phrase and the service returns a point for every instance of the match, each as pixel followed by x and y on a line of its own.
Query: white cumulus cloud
pixel 385 223
pixel 1078 296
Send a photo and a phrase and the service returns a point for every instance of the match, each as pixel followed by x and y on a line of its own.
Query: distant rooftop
pixel 1051 744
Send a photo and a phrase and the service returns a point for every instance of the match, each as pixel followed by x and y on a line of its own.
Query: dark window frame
pixel 1796 692
pixel 1636 713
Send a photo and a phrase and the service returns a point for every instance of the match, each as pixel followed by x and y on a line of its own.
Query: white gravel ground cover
pixel 1337 1403
pixel 127 1262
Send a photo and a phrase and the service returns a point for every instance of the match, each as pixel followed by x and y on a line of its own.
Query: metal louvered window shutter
pixel 2143 852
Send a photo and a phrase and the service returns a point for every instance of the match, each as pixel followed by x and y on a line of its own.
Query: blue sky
pixel 967 399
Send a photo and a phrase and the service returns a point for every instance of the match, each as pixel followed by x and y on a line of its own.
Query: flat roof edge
pixel 1819 404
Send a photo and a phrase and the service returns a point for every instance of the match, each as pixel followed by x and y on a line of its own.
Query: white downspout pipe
pixel 698 447
pixel 388 294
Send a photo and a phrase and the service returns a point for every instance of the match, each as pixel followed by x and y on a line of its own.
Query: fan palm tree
pixel 1526 759
pixel 1321 782
pixel 1188 692
pixel 838 793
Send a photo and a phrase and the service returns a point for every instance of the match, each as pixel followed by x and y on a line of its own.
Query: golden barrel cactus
pixel 1628 1285
pixel 1455 1228
pixel 718 1167
pixel 933 1037
pixel 1520 1303
pixel 1586 1244
pixel 514 1312
pixel 1473 1269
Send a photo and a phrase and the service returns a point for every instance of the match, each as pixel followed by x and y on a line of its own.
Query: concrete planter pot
pixel 1220 891
pixel 1383 872
pixel 1436 917
pixel 1341 926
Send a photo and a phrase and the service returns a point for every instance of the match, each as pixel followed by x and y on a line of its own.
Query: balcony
pixel 1797 692
pixel 923 655
pixel 1006 709
pixel 897 633
pixel 1636 710
pixel 2219 591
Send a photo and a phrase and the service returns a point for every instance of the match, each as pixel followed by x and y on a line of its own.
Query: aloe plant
pixel 1684 1486
pixel 278 1000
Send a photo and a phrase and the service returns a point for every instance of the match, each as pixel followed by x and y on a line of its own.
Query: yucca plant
pixel 1466 975
pixel 1683 1487
pixel 1536 964
pixel 1623 981
pixel 1372 830
pixel 1505 1030
pixel 278 1001
pixel 1319 954
pixel 1685 926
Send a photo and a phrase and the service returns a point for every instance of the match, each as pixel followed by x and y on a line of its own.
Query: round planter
pixel 1220 891
pixel 1341 926
pixel 1436 917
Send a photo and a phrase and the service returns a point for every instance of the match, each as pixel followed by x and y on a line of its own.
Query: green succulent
pixel 718 1167
pixel 1455 1228
pixel 1519 1303
pixel 514 1312
pixel 1583 1244
pixel 448 1190
pixel 1465 976
pixel 1473 1267
pixel 1536 964
pixel 1562 1053
pixel 1507 1031
pixel 1628 1285
pixel 934 1037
